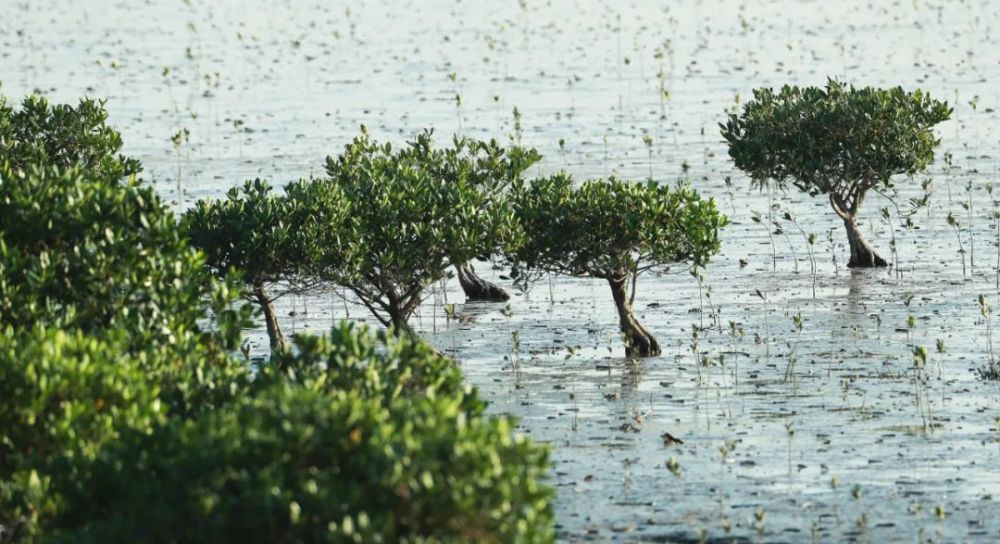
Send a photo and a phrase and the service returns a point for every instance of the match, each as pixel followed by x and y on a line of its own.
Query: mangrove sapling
pixel 791 246
pixel 725 450
pixel 810 244
pixel 793 348
pixel 453 77
pixel 239 129
pixel 730 193
pixel 974 104
pixel 179 138
pixel 833 252
pixel 515 338
pixel 705 291
pixel 991 371
pixel 919 363
pixel 760 519
pixel 789 433
pixel 949 161
pixel 839 141
pixel 967 205
pixel 518 134
pixel 416 211
pixel 958 234
pixel 647 140
pixel 695 348
pixel 496 107
pixel 911 323
pixel 757 218
pixel 922 202
pixel 892 240
pixel 736 334
pixel 767 329
pixel 613 230
pixel 697 275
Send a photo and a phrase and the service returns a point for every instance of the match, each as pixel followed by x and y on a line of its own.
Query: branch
pixel 385 322
pixel 837 207
pixel 635 277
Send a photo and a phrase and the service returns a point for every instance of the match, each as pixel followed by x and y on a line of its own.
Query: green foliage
pixel 612 228
pixel 381 445
pixel 268 238
pixel 80 250
pixel 277 243
pixel 839 139
pixel 417 210
pixel 487 165
pixel 66 395
pixel 375 364
pixel 318 210
pixel 60 135
pixel 122 419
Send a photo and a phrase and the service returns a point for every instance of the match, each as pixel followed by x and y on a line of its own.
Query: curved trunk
pixel 477 288
pixel 271 320
pixel 639 342
pixel 862 254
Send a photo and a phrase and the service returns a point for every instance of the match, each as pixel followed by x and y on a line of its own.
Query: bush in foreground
pixel 359 439
pixel 82 250
pixel 65 396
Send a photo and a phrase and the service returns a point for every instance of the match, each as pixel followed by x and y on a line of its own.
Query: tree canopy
pixel 276 242
pixel 414 212
pixel 80 249
pixel 40 133
pixel 840 140
pixel 834 139
pixel 613 230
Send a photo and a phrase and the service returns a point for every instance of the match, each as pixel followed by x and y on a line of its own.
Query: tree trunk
pixel 639 342
pixel 271 319
pixel 862 254
pixel 477 288
pixel 397 319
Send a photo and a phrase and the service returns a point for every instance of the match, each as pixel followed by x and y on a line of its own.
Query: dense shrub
pixel 66 395
pixel 375 364
pixel 60 135
pixel 124 418
pixel 357 440
pixel 82 250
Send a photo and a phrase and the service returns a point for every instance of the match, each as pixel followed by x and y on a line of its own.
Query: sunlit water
pixel 820 434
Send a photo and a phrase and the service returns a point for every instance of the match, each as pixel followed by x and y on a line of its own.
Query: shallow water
pixel 828 432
